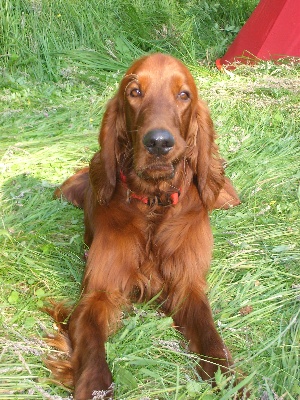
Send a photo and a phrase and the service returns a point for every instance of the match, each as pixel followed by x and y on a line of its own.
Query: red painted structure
pixel 272 32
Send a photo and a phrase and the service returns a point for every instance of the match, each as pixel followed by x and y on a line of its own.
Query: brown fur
pixel 137 250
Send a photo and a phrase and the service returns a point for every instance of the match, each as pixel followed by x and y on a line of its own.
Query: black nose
pixel 158 141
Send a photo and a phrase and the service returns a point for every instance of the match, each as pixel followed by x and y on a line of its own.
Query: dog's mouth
pixel 157 171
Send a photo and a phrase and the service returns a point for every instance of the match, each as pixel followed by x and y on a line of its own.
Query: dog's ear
pixel 205 160
pixel 228 196
pixel 103 166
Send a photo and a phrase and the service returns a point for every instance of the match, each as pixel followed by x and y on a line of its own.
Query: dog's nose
pixel 158 141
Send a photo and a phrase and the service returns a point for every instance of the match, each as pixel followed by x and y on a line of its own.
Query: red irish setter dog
pixel 146 198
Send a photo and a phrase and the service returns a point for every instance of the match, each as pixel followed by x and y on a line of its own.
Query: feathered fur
pixel 137 250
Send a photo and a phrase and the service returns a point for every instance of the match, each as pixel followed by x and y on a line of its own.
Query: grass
pixel 50 110
pixel 51 30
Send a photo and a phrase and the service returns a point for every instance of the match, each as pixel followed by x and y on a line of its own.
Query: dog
pixel 146 195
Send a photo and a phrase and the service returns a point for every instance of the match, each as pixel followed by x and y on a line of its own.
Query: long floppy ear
pixel 227 197
pixel 103 166
pixel 206 162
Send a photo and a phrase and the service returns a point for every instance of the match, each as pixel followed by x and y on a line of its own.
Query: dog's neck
pixel 166 199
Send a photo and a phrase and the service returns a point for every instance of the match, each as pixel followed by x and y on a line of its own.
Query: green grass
pixel 48 128
pixel 39 37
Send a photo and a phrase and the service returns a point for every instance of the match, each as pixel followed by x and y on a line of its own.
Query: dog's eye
pixel 135 93
pixel 184 95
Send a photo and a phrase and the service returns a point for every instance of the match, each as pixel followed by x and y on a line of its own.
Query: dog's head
pixel 158 132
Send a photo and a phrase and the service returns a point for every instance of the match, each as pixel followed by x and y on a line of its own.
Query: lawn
pixel 57 74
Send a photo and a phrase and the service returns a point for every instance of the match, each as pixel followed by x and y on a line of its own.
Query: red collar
pixel 174 197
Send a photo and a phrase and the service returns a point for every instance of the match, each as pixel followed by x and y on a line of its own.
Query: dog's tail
pixel 60 362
